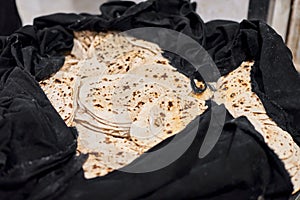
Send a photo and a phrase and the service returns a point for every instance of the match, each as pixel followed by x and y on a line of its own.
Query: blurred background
pixel 282 15
pixel 213 9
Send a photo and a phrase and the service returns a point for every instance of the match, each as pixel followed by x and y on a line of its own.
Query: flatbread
pixel 96 96
pixel 167 116
pixel 86 117
pixel 61 91
pixel 235 92
pixel 78 50
pixel 86 120
pixel 110 46
pixel 129 60
pixel 115 83
pixel 85 39
pixel 106 153
pixel 91 67
pixel 120 54
pixel 165 75
pixel 117 99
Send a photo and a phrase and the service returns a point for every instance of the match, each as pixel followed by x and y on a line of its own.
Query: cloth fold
pixel 37 150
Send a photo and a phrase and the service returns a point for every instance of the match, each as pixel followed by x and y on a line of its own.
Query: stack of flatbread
pixel 235 92
pixel 123 96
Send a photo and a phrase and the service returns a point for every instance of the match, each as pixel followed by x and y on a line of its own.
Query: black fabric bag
pixel 37 151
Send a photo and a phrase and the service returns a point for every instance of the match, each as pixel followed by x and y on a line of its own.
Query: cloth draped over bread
pixel 38 151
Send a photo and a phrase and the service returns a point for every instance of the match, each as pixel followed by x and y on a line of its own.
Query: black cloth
pixel 37 151
pixel 40 52
pixel 240 166
pixel 37 148
pixel 274 77
pixel 10 20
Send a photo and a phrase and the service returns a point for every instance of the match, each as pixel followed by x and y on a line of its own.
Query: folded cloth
pixel 37 150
